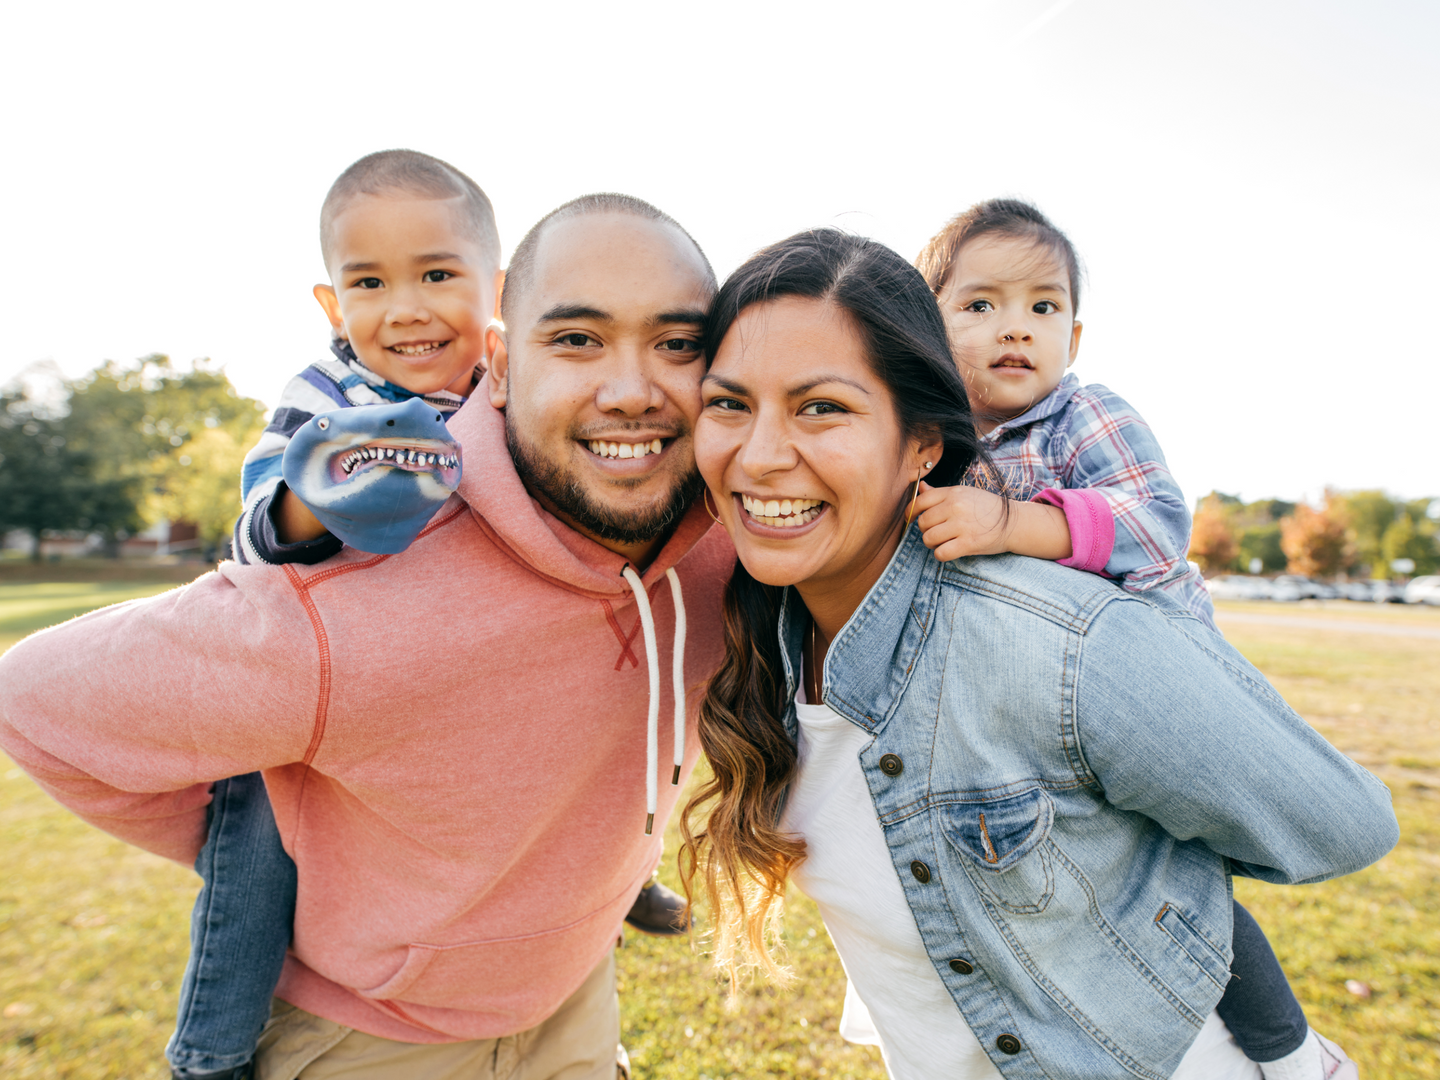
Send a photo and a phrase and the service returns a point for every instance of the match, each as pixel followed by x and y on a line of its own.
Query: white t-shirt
pixel 896 999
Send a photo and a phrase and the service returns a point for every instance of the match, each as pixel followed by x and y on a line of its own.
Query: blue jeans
pixel 1259 1007
pixel 239 931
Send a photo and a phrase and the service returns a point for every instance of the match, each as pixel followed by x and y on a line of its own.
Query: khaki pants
pixel 580 1042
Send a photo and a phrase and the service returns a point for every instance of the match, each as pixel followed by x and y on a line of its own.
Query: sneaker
pixel 240 1072
pixel 1335 1063
pixel 659 911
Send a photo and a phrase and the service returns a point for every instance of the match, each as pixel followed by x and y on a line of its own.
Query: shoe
pixel 1335 1063
pixel 622 1063
pixel 240 1072
pixel 659 911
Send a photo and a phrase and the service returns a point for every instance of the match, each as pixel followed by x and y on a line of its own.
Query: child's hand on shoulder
pixel 959 521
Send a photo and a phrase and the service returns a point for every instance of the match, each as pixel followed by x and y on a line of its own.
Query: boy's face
pixel 599 376
pixel 410 290
pixel 1012 325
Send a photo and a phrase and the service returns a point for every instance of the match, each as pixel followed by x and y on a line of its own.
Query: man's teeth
pixel 624 449
pixel 783 513
pixel 390 455
pixel 416 350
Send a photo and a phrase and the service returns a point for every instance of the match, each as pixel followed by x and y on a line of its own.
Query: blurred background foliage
pixel 1359 534
pixel 122 448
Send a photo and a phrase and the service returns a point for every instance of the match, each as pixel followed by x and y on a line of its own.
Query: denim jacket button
pixel 921 872
pixel 1008 1044
pixel 961 967
pixel 891 765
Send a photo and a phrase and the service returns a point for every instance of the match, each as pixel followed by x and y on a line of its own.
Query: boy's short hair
pixel 414 173
pixel 522 261
pixel 1001 217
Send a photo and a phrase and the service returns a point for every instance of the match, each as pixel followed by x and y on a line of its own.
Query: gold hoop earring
pixel 705 495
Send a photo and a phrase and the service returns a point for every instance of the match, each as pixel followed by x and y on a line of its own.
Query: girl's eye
pixel 821 408
pixel 574 340
pixel 437 276
pixel 368 283
pixel 980 307
pixel 1046 307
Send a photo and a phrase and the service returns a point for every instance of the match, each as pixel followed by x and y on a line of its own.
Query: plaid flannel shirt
pixel 1088 437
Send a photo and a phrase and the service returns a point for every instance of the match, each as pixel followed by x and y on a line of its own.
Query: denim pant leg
pixel 239 931
pixel 1259 1007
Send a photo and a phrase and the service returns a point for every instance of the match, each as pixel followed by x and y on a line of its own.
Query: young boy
pixel 413 255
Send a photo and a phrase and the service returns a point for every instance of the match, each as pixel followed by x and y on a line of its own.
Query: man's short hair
pixel 410 172
pixel 521 272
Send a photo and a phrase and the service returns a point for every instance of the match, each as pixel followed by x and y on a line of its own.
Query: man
pixel 443 728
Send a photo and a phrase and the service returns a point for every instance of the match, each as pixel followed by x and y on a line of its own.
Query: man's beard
pixel 564 491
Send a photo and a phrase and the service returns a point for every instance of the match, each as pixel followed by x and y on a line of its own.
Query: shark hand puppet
pixel 374 474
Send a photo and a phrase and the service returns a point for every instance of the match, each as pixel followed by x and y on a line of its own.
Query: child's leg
pixel 238 933
pixel 1259 1007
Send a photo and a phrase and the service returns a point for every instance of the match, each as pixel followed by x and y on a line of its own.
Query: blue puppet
pixel 374 474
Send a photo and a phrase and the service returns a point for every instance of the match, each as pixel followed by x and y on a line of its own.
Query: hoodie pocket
pixel 1003 842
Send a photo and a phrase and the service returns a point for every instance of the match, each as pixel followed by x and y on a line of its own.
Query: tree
pixel 1315 541
pixel 1369 513
pixel 122 447
pixel 1213 543
pixel 47 477
pixel 1409 537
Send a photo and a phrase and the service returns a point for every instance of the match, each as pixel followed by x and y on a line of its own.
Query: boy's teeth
pixel 416 350
pixel 624 450
pixel 782 512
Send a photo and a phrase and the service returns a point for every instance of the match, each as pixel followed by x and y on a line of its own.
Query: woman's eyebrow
pixel 724 384
pixel 805 388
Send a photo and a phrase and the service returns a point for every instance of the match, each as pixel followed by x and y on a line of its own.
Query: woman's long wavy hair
pixel 739 853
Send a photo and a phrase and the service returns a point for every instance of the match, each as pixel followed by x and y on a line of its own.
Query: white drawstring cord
pixel 652 662
pixel 678 670
pixel 652 719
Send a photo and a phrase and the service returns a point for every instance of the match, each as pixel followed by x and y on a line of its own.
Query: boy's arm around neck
pixel 127 715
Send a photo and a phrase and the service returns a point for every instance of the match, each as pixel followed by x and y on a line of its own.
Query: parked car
pixel 1387 592
pixel 1238 587
pixel 1288 588
pixel 1424 590
pixel 1361 590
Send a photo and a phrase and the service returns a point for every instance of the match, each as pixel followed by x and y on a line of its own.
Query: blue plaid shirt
pixel 1088 437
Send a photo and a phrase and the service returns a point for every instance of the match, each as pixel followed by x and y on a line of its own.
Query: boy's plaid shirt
pixel 1088 437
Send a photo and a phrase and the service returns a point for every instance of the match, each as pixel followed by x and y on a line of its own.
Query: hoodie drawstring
pixel 652 662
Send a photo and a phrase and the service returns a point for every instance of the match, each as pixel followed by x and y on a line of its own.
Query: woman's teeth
pixel 624 449
pixel 782 513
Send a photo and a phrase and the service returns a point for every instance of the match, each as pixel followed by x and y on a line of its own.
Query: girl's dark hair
pixel 740 854
pixel 1000 217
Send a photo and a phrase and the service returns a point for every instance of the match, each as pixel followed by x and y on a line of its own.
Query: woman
pixel 1015 791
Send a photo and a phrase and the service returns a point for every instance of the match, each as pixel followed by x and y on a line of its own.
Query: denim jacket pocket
pixel 1004 844
pixel 1193 945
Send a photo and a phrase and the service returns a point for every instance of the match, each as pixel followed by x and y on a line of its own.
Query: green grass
pixel 93 933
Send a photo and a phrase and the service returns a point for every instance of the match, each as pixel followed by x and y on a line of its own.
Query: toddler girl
pixel 1077 477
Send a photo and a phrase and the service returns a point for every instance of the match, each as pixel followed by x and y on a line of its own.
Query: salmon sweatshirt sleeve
pixel 438 729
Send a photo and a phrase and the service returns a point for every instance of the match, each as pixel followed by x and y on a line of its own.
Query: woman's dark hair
pixel 999 217
pixel 740 853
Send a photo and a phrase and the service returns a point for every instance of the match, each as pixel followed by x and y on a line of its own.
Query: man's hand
pixel 959 521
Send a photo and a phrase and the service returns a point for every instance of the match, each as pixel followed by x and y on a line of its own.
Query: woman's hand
pixel 959 521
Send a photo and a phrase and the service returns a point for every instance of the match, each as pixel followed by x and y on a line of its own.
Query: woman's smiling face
pixel 801 445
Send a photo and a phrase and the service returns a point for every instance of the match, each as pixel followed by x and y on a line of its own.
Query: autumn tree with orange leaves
pixel 1315 541
pixel 1213 543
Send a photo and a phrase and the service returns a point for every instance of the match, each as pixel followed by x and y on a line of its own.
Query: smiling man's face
pixel 599 376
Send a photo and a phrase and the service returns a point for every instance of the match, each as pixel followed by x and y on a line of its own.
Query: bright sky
pixel 1252 185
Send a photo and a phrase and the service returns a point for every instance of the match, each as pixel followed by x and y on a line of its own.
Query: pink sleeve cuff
pixel 1092 526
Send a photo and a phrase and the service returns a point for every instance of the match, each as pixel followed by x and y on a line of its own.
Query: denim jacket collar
pixel 871 658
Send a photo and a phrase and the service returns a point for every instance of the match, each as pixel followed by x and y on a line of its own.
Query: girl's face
pixel 801 446
pixel 1012 325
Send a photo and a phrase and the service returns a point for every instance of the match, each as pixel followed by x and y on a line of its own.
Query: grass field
pixel 93 933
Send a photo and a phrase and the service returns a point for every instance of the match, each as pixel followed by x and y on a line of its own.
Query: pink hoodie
pixel 454 741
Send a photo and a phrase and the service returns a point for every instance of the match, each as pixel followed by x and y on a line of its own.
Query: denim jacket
pixel 1066 774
